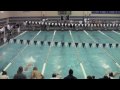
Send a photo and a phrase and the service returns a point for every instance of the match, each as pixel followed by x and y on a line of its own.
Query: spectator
pixel 70 76
pixel 112 75
pixel 55 76
pixel 93 77
pixel 4 75
pixel 89 77
pixel 20 74
pixel 36 74
pixel 105 77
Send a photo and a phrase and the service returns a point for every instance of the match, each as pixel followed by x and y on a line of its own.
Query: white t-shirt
pixel 111 77
pixel 4 77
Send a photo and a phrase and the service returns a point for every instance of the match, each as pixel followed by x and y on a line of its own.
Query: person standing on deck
pixel 4 75
pixel 112 75
pixel 36 74
pixel 20 74
pixel 70 76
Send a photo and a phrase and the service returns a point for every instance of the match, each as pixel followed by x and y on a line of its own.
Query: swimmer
pixel 28 66
pixel 112 75
pixel 29 63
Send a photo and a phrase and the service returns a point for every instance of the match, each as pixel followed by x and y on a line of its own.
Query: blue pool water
pixel 95 61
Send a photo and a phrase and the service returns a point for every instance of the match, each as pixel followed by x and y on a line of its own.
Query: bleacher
pixel 75 20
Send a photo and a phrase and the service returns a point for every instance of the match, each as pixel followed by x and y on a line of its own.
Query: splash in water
pixel 29 63
pixel 28 66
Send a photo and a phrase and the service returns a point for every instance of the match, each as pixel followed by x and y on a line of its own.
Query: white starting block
pixel 42 23
pixel 107 24
pixel 110 24
pixel 75 25
pixel 119 25
pixel 104 25
pixel 82 25
pixel 55 24
pixel 26 21
pixel 72 24
pixel 36 22
pixel 113 25
pixel 68 24
pixel 33 22
pixel 49 23
pixel 65 24
pixel 39 23
pixel 62 24
pixel 29 22
pixel 59 24
pixel 52 24
pixel 91 25
pixel 45 23
pixel 94 25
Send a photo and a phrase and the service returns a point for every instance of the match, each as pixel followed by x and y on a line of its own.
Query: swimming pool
pixel 84 61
